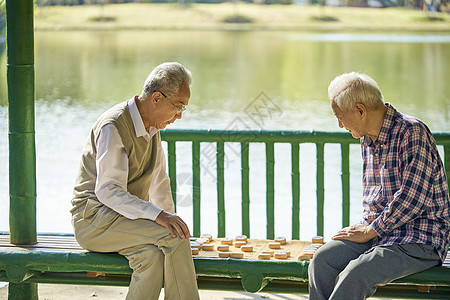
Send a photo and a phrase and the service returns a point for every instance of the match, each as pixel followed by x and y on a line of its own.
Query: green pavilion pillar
pixel 22 154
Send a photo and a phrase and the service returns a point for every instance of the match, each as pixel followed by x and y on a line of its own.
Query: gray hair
pixel 348 89
pixel 167 78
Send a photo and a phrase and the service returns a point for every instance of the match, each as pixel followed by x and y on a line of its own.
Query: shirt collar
pixel 138 124
pixel 388 122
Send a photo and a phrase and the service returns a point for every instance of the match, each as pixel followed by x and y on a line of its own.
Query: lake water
pixel 80 74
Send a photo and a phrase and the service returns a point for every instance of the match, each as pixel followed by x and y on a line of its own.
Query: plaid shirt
pixel 405 192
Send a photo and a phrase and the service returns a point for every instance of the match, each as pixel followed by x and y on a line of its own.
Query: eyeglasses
pixel 180 110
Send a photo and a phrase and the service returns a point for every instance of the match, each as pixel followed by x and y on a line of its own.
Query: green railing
pixel 269 138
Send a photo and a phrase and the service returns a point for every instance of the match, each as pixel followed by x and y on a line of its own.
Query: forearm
pixel 126 204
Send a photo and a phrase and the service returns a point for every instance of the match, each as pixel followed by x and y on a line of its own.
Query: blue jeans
pixel 341 270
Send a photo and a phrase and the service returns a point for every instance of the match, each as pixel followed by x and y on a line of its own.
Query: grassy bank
pixel 253 17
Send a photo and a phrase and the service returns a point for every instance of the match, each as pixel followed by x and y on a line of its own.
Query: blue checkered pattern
pixel 405 192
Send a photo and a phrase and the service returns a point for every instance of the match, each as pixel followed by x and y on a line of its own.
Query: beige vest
pixel 141 157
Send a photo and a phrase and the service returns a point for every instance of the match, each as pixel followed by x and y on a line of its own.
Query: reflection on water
pixel 97 69
pixel 372 38
pixel 79 74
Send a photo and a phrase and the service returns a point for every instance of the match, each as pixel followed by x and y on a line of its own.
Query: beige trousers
pixel 155 257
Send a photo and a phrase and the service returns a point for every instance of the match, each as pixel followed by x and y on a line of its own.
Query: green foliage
pixel 59 2
pixel 160 1
pixel 355 3
pixel 81 2
pixel 324 18
pixel 430 18
pixel 2 17
pixel 237 19
pixel 283 2
pixel 102 19
pixel 210 1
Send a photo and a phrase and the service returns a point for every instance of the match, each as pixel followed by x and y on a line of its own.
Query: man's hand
pixel 173 223
pixel 357 233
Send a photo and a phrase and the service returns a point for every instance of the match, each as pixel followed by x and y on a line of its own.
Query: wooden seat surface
pixel 57 243
pixel 49 243
pixel 56 254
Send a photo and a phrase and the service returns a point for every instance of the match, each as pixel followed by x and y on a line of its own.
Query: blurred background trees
pixel 430 5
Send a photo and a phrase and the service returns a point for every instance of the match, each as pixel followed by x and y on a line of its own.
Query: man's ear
pixel 155 97
pixel 361 109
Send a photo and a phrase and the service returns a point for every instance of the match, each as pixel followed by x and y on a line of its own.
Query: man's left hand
pixel 358 233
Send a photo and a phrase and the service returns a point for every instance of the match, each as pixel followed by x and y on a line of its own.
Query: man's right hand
pixel 358 233
pixel 173 223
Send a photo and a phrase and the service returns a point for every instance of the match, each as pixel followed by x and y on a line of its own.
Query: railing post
pixel 22 153
pixel 320 193
pixel 196 192
pixel 295 178
pixel 245 183
pixel 270 190
pixel 220 157
pixel 345 179
pixel 171 155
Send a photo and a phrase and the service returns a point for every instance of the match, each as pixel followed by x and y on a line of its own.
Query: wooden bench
pixel 59 259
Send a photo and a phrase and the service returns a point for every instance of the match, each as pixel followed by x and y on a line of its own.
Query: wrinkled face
pixel 350 120
pixel 170 108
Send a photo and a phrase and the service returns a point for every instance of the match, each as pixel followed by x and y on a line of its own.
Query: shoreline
pixel 210 17
pixel 252 29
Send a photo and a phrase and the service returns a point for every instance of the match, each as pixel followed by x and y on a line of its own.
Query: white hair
pixel 167 78
pixel 348 89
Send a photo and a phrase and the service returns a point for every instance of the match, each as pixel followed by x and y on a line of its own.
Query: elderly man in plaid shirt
pixel 406 218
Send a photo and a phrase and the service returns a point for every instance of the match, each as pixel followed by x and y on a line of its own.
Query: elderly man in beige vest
pixel 122 198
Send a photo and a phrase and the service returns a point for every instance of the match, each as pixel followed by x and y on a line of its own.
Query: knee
pixel 170 244
pixel 320 258
pixel 146 258
pixel 353 275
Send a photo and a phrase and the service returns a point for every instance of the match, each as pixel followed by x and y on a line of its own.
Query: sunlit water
pixel 80 74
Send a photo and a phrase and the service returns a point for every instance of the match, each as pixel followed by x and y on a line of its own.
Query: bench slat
pixel 56 243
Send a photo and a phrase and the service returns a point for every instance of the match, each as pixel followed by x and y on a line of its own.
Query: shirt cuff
pixel 152 212
pixel 379 227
